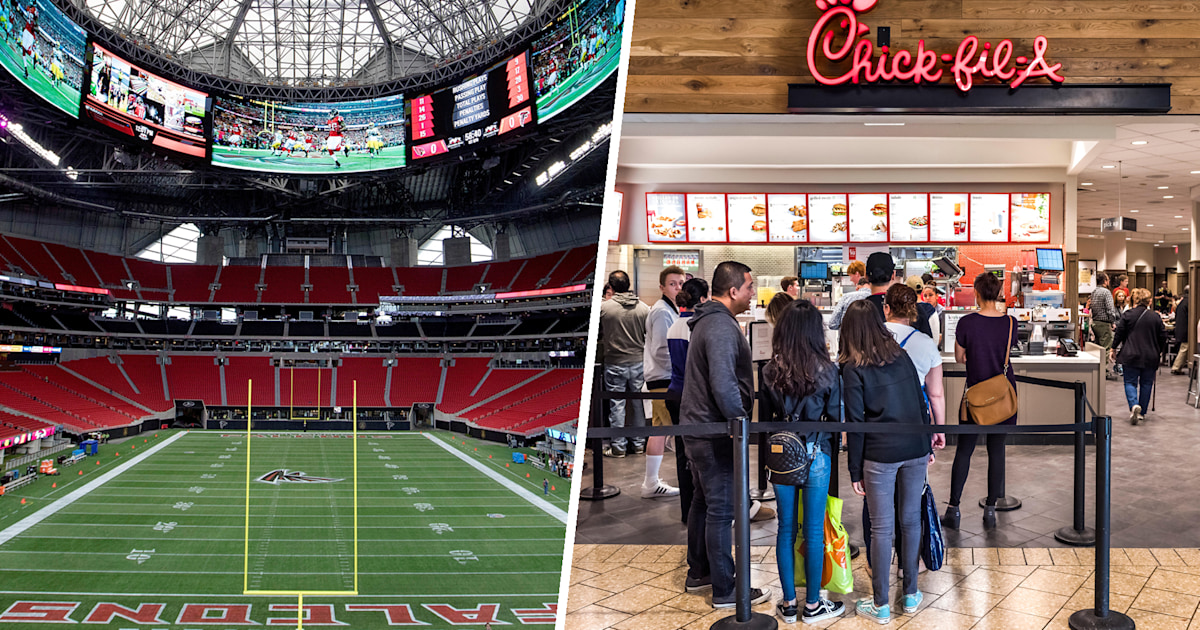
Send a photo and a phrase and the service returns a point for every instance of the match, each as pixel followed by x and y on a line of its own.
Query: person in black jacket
pixel 800 384
pixel 1183 357
pixel 887 468
pixel 1140 340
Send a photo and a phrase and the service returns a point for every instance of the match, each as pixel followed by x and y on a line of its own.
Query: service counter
pixel 1037 404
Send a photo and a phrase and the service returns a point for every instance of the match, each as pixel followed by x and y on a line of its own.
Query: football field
pixel 158 536
pixel 63 96
pixel 578 85
pixel 319 162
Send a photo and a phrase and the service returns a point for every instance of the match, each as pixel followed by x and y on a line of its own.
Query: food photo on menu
pixel 908 217
pixel 666 217
pixel 948 218
pixel 989 217
pixel 747 218
pixel 706 218
pixel 787 217
pixel 1031 217
pixel 828 218
pixel 868 218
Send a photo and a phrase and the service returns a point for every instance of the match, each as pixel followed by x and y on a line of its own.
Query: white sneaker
pixel 1135 414
pixel 660 490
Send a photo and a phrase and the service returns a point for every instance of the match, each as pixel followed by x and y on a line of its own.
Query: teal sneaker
pixel 912 602
pixel 879 614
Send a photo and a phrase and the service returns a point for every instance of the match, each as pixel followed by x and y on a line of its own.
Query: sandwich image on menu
pixel 908 217
pixel 1031 217
pixel 787 217
pixel 666 217
pixel 828 218
pixel 747 218
pixel 868 218
pixel 706 218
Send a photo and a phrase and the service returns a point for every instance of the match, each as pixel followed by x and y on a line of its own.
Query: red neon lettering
pixel 531 616
pixel 485 613
pixel 314 615
pixel 145 613
pixel 238 614
pixel 39 612
pixel 841 21
pixel 397 614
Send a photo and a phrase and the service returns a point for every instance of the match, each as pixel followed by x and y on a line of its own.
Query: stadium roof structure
pixel 323 43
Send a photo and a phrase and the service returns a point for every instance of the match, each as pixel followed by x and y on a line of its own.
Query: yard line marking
pixel 289 573
pixel 232 595
pixel 20 526
pixel 296 555
pixel 539 502
pixel 304 540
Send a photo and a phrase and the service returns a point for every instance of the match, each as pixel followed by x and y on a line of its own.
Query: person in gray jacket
pixel 718 386
pixel 623 328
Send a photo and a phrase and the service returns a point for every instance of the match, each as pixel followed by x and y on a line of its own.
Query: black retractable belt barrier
pixel 599 490
pixel 1100 617
pixel 1078 535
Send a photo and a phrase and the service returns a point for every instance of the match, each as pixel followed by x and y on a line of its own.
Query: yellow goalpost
pixel 246 549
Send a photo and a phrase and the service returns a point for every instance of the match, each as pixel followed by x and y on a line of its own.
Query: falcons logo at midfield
pixel 283 475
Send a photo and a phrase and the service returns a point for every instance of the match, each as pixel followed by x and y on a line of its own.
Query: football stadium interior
pixel 293 307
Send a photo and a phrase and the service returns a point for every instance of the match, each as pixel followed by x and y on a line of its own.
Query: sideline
pixel 24 524
pixel 537 501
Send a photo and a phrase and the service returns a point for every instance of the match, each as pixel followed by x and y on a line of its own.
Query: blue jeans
pixel 710 521
pixel 624 378
pixel 815 493
pixel 894 490
pixel 1139 382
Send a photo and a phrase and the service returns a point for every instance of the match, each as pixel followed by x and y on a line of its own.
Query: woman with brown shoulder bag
pixel 983 341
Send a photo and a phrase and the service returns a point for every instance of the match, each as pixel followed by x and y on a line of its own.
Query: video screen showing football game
pixel 308 138
pixel 479 109
pixel 576 53
pixel 143 105
pixel 43 49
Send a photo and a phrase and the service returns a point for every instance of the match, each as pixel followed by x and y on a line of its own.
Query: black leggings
pixel 962 466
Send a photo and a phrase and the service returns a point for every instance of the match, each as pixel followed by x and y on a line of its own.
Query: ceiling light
pixel 1185 229
pixel 1149 225
pixel 1109 166
pixel 1140 142
pixel 1195 172
pixel 1178 216
pixel 1168 196
pixel 1160 241
pixel 1128 239
pixel 1133 210
pixel 1087 184
pixel 887 124
pixel 1163 187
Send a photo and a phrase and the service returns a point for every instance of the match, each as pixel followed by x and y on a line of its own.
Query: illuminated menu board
pixel 827 217
pixel 706 218
pixel 948 218
pixel 868 218
pixel 989 218
pixel 747 218
pixel 1030 217
pixel 478 109
pixel 787 218
pixel 666 218
pixel 908 217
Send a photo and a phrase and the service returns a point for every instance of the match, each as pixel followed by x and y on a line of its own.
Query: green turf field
pixel 320 162
pixel 578 85
pixel 63 96
pixel 162 543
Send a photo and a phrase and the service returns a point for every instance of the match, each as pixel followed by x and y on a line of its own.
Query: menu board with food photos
pixel 706 218
pixel 1030 217
pixel 747 218
pixel 666 218
pixel 908 217
pixel 787 218
pixel 827 216
pixel 989 218
pixel 948 217
pixel 868 218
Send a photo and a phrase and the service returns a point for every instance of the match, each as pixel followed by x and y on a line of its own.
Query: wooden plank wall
pixel 737 56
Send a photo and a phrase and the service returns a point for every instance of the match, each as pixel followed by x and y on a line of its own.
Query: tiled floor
pixel 1154 501
pixel 640 587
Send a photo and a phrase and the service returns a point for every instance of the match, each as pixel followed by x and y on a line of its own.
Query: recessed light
pixel 891 124
pixel 1185 229
pixel 1160 241
pixel 1109 166
pixel 1128 239
pixel 1140 142
pixel 1178 216
pixel 1195 172
pixel 1149 225
pixel 1133 210
pixel 1087 184
pixel 1168 196
pixel 1163 187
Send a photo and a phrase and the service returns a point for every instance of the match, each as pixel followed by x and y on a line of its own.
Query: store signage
pixel 1118 224
pixel 920 66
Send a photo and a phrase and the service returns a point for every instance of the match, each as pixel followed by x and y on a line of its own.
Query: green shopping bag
pixel 836 576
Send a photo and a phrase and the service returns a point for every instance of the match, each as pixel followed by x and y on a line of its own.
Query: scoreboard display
pixel 487 106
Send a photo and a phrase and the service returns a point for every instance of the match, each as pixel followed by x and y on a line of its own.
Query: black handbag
pixel 788 459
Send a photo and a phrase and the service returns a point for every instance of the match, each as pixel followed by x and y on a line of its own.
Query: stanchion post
pixel 1079 534
pixel 745 618
pixel 1101 617
pixel 599 490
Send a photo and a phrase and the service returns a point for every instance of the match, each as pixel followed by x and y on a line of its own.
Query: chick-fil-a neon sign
pixel 920 66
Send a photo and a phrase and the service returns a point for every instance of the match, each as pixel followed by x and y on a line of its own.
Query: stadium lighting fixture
pixel 15 130
pixel 554 170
